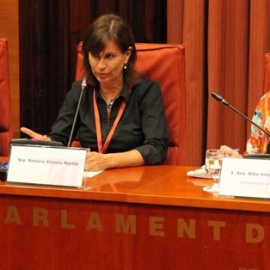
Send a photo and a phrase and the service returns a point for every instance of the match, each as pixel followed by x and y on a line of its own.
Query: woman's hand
pixel 34 134
pixel 229 152
pixel 95 161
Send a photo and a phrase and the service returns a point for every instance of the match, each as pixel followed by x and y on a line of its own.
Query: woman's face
pixel 107 66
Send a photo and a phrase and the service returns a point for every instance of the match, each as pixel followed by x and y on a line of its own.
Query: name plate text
pixel 245 178
pixel 58 166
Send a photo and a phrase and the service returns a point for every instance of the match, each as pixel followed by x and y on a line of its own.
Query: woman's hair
pixel 107 28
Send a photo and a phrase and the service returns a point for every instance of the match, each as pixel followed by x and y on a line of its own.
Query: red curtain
pixel 225 45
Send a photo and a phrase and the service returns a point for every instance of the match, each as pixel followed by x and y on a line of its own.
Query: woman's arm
pixel 153 124
pixel 96 161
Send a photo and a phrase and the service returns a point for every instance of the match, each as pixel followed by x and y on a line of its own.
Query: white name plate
pixel 245 178
pixel 45 165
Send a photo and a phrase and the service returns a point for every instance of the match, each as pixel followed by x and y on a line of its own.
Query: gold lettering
pixel 189 229
pixel 40 215
pixel 128 226
pixel 64 220
pixel 216 228
pixel 13 216
pixel 156 226
pixel 94 222
pixel 254 233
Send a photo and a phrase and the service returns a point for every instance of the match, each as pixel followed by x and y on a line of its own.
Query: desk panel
pixel 136 218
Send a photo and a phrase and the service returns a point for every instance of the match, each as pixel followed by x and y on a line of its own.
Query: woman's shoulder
pixel 147 88
pixel 264 102
pixel 76 88
pixel 146 82
pixel 265 96
pixel 77 85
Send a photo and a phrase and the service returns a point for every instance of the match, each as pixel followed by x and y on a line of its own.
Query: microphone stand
pixel 219 98
pixel 83 85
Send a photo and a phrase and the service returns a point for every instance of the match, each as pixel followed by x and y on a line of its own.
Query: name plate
pixel 245 178
pixel 45 165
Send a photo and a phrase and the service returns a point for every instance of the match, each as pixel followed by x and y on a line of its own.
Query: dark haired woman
pixel 121 116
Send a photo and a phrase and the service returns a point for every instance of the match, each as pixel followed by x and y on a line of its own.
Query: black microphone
pixel 219 98
pixel 83 85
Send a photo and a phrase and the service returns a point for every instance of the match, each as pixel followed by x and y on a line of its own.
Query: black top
pixel 142 126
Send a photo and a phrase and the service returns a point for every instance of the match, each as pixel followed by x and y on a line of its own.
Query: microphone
pixel 219 98
pixel 83 85
pixel 4 166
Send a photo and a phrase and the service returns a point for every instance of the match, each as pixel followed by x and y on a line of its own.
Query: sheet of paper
pixel 199 173
pixel 92 174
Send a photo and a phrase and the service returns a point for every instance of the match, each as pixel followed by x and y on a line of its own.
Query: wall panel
pixel 9 28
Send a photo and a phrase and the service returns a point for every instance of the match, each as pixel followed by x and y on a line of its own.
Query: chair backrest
pixel 164 63
pixel 6 132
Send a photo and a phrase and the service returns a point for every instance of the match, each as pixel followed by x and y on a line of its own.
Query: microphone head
pixel 84 82
pixel 219 98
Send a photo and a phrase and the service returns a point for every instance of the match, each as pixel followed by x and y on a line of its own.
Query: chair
pixel 6 131
pixel 164 63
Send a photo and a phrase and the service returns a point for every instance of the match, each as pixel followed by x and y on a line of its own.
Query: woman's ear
pixel 128 53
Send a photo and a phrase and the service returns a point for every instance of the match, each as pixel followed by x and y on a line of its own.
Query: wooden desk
pixel 135 218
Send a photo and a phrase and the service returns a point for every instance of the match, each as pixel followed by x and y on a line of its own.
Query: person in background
pixel 258 140
pixel 121 116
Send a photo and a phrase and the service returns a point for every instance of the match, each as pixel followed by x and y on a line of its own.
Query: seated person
pixel 258 141
pixel 121 116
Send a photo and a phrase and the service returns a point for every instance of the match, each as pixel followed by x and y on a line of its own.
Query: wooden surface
pixel 165 185
pixel 134 218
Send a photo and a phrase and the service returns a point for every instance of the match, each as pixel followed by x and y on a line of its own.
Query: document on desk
pixel 92 174
pixel 199 173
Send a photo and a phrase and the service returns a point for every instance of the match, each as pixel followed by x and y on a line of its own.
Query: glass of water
pixel 213 164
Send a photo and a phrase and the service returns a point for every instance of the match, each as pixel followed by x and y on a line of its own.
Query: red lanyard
pixel 102 148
